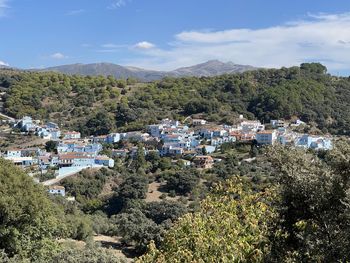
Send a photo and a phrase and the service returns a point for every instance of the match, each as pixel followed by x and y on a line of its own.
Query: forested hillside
pixel 95 105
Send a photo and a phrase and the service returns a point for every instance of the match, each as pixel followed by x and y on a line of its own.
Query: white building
pixel 72 135
pixel 14 153
pixel 266 137
pixel 252 126
pixel 57 190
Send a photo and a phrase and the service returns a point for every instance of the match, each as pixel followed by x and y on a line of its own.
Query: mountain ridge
pixel 209 68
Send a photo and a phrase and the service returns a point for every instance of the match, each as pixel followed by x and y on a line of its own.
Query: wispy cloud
pixel 318 37
pixel 144 45
pixel 112 46
pixel 75 12
pixel 118 3
pixel 58 55
pixel 2 63
pixel 3 7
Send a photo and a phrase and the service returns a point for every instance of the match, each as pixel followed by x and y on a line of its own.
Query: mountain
pixel 209 68
pixel 212 68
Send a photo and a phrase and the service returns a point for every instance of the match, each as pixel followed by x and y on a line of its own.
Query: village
pixel 192 142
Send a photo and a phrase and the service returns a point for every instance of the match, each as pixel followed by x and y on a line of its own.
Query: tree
pixel 88 184
pixel 51 146
pixel 204 151
pixel 164 210
pixel 140 160
pixel 313 68
pixel 232 226
pixel 29 221
pixel 136 229
pixel 314 213
pixel 102 123
pixel 133 187
pixel 183 181
pixel 86 255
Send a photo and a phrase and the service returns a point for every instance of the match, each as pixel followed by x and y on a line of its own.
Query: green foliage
pixel 164 210
pixel 88 184
pixel 129 193
pixel 100 124
pixel 231 226
pixel 183 181
pixel 86 255
pixel 133 187
pixel 136 229
pixel 139 162
pixel 29 222
pixel 51 146
pixel 79 226
pixel 314 214
pixel 101 224
pixel 75 101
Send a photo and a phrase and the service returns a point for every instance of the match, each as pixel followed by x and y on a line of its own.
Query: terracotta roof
pixel 74 156
pixel 102 158
pixel 266 132
pixel 72 132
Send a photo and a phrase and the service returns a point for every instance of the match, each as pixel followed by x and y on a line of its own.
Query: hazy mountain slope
pixel 210 68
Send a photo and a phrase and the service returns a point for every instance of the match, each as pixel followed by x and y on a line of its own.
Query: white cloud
pixel 111 46
pixel 118 3
pixel 3 6
pixel 144 45
pixel 319 37
pixel 75 12
pixel 58 55
pixel 2 63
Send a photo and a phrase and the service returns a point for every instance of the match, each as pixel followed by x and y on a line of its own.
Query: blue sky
pixel 164 35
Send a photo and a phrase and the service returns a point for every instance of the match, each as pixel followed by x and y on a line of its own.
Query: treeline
pixel 97 105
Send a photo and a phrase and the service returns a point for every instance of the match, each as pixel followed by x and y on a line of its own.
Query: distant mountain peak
pixel 212 68
pixel 208 68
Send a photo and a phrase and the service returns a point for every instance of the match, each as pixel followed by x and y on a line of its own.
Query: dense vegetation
pixel 298 211
pixel 231 226
pixel 97 105
pixel 28 220
pixel 31 223
pixel 303 218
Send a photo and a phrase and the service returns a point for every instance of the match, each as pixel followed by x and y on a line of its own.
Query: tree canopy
pixel 307 92
pixel 232 226
pixel 29 221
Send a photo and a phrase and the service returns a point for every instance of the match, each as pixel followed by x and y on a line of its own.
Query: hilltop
pixel 209 68
pixel 85 102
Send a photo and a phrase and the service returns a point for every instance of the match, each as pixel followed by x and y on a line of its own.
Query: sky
pixel 165 34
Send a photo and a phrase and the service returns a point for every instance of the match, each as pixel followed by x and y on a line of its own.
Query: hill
pixel 209 68
pixel 102 104
pixel 212 68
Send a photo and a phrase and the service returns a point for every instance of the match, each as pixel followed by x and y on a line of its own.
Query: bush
pixel 183 182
